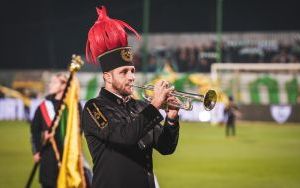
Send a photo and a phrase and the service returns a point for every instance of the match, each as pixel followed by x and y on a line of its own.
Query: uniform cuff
pixel 152 113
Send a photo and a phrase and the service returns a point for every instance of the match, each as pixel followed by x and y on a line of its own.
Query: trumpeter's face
pixel 122 79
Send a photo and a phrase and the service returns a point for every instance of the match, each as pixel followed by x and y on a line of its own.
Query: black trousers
pixel 230 129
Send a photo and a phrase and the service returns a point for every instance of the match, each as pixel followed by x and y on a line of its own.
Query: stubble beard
pixel 121 89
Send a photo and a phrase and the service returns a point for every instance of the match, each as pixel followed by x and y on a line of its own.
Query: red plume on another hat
pixel 106 35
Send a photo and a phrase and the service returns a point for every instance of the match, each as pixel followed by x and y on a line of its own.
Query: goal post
pixel 259 83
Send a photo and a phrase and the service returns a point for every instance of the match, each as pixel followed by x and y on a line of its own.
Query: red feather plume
pixel 106 34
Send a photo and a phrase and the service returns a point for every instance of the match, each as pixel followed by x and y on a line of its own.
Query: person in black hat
pixel 231 111
pixel 122 132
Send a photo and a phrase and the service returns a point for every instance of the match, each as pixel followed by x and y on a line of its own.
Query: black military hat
pixel 116 58
pixel 107 42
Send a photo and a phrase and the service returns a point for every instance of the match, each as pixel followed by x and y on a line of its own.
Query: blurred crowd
pixel 199 58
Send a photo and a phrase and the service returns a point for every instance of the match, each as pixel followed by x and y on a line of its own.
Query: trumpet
pixel 209 99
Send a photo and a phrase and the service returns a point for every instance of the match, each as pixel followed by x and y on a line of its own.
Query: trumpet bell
pixel 210 100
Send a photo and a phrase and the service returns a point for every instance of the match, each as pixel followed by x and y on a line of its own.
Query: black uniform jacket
pixel 121 136
pixel 48 163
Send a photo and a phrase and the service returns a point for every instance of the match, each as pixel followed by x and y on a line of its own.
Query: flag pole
pixel 75 65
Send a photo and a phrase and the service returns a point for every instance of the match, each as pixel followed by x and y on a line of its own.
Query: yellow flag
pixel 71 171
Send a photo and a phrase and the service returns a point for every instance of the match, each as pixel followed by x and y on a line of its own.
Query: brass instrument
pixel 209 99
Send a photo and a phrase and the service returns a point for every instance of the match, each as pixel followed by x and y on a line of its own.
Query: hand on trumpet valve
pixel 161 92
pixel 172 107
pixel 173 103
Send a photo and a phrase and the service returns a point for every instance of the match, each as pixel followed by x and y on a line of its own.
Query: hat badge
pixel 127 55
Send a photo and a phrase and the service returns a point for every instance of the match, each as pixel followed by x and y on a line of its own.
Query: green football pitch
pixel 261 155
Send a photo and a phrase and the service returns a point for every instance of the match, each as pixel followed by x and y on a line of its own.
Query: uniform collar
pixel 51 97
pixel 113 97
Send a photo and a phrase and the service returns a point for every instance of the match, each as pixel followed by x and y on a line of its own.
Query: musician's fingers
pixel 171 98
pixel 167 92
pixel 165 84
pixel 174 102
pixel 160 83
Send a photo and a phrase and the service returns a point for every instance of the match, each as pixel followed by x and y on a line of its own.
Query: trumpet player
pixel 122 132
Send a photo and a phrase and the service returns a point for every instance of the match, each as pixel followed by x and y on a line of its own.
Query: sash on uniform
pixel 48 111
